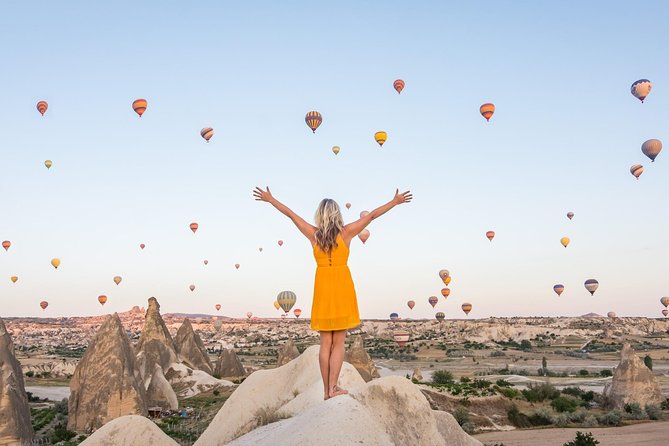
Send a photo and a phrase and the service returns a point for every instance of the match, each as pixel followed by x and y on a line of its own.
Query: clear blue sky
pixel 564 135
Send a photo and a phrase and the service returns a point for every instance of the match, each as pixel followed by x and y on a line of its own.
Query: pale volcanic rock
pixel 417 374
pixel 358 357
pixel 130 430
pixel 155 344
pixel 104 385
pixel 15 425
pixel 451 430
pixel 191 349
pixel 160 392
pixel 228 365
pixel 633 382
pixel 187 382
pixel 287 353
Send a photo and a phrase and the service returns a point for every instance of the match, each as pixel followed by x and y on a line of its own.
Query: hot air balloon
pixel 445 292
pixel 207 133
pixel 286 300
pixel 401 337
pixel 249 315
pixel 394 316
pixel 665 301
pixel 466 307
pixel 652 148
pixel 559 288
pixel 117 279
pixel 565 241
pixel 411 304
pixel 348 205
pixel 206 262
pixel 433 300
pixel 44 304
pixel 444 273
pixel 283 315
pixel 191 287
pixel 591 285
pixel 447 280
pixel 641 88
pixel 490 235
pixel 570 215
pixel 6 244
pixel 102 299
pixel 611 314
pixel 48 164
pixel 665 312
pixel 363 214
pixel 14 279
pixel 336 150
pixel 440 316
pixel 313 120
pixel 487 110
pixel 194 226
pixel 55 262
pixel 218 307
pixel 276 305
pixel 398 85
pixel 297 312
pixel 280 242
pixel 237 265
pixel 364 235
pixel 139 105
pixel 380 137
pixel 42 106
pixel 636 170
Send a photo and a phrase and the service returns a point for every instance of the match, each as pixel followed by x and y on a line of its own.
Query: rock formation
pixel 287 353
pixel 358 357
pixel 228 365
pixel 417 375
pixel 160 393
pixel 15 425
pixel 633 382
pixel 155 345
pixel 191 349
pixel 131 430
pixel 104 385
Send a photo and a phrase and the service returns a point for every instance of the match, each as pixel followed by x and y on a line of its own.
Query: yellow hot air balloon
pixel 445 292
pixel 447 280
pixel 277 305
pixel 207 133
pixel 336 150
pixel 313 120
pixel 117 279
pixel 380 137
pixel 14 279
pixel 139 105
pixel 48 164
pixel 487 110
pixel 55 262
pixel 565 241
pixel 467 307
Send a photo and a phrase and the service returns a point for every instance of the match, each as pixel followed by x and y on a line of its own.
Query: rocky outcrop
pixel 15 425
pixel 633 382
pixel 104 385
pixel 358 357
pixel 417 375
pixel 287 353
pixel 228 365
pixel 155 344
pixel 131 430
pixel 191 350
pixel 187 382
pixel 160 392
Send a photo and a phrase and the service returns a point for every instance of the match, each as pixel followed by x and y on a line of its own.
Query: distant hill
pixel 592 315
pixel 192 316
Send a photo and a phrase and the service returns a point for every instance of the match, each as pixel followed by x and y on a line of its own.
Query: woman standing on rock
pixel 335 308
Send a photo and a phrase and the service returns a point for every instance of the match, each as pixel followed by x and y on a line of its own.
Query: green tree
pixel 525 345
pixel 544 364
pixel 583 439
pixel 648 361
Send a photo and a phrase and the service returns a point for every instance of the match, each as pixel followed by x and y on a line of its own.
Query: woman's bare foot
pixel 336 391
pixel 326 397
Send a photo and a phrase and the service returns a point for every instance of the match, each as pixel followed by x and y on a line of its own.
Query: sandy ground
pixel 53 393
pixel 648 434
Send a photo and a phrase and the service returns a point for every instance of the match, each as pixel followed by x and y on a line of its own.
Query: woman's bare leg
pixel 324 360
pixel 336 361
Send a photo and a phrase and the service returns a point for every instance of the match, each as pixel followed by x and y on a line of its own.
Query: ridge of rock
pixel 358 357
pixel 191 349
pixel 155 345
pixel 633 382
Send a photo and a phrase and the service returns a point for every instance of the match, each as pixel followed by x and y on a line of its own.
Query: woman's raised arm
pixel 354 228
pixel 305 228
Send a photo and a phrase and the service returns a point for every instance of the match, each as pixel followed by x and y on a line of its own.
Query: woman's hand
pixel 404 197
pixel 262 195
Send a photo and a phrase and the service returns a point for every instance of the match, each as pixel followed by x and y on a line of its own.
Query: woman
pixel 335 308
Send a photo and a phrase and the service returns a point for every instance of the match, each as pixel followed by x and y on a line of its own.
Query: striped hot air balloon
pixel 652 148
pixel 380 137
pixel 398 85
pixel 286 300
pixel 467 307
pixel 440 316
pixel 445 292
pixel 559 288
pixel 394 316
pixel 641 88
pixel 207 133
pixel 401 337
pixel 102 299
pixel 42 106
pixel 139 105
pixel 636 170
pixel 487 110
pixel 433 300
pixel 313 120
pixel 591 285
pixel 490 235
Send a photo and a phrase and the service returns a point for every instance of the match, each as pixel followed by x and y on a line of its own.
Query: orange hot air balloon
pixel 280 242
pixel 277 305
pixel 348 205
pixel 44 304
pixel 42 106
pixel 490 235
pixel 398 85
pixel 206 262
pixel 313 120
pixel 380 137
pixel 237 265
pixel 193 227
pixel 564 241
pixel 14 279
pixel 102 299
pixel 445 292
pixel 139 105
pixel 117 279
pixel 411 304
pixel 433 300
pixel 207 133
pixel 297 312
pixel 191 287
pixel 6 244
pixel 466 307
pixel 447 280
pixel 218 307
pixel 142 246
pixel 487 110
pixel 249 315
pixel 364 235
pixel 55 262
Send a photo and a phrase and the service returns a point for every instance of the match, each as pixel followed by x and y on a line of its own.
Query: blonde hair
pixel 329 223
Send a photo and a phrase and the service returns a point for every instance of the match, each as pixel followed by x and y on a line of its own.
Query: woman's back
pixel 336 258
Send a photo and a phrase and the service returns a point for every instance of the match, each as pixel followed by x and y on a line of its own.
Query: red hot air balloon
pixel 433 300
pixel 237 265
pixel 490 235
pixel 139 105
pixel 313 120
pixel 6 244
pixel 218 307
pixel 142 246
pixel 102 299
pixel 297 312
pixel 44 304
pixel 42 106
pixel 280 242
pixel 411 304
pixel 193 227
pixel 398 85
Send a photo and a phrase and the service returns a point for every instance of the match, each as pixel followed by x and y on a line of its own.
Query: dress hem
pixel 347 327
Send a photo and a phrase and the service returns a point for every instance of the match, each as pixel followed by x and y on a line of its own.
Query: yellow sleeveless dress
pixel 335 306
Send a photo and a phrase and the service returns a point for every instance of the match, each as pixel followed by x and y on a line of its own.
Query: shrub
pixel 540 417
pixel 497 353
pixel 561 420
pixel 481 383
pixel 583 439
pixel 216 392
pixel 517 418
pixel 564 404
pixel 648 361
pixel 577 416
pixel 469 427
pixel 605 373
pixel 442 377
pixel 654 412
pixel 540 392
pixel 610 419
pixel 634 412
pixel 509 392
pixel 30 373
pixel 573 391
pixel 590 421
pixel 465 379
pixel 583 372
pixel 525 345
pixel 461 415
pixel 503 383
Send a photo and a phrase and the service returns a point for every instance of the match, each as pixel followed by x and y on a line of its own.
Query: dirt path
pixel 647 434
